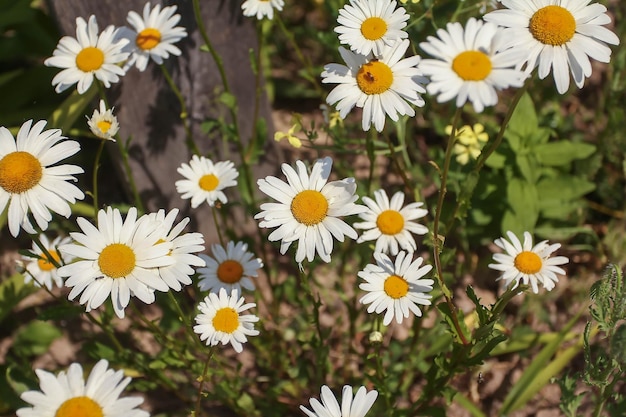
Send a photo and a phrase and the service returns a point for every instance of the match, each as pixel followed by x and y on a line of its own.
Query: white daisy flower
pixel 230 269
pixel 380 85
pixel 367 26
pixel 117 258
pixel 469 64
pixel 87 56
pixel 29 178
pixel 527 263
pixel 261 8
pixel 103 123
pixel 557 35
pixel 67 394
pixel 205 180
pixel 152 36
pixel 389 224
pixel 183 247
pixel 396 288
pixel 308 209
pixel 41 270
pixel 220 320
pixel 350 407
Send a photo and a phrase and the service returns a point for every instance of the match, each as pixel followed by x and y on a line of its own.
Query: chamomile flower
pixel 469 64
pixel 390 224
pixel 41 270
pixel 87 56
pixel 367 26
pixel 184 247
pixel 205 180
pixel 308 209
pixel 220 320
pixel 396 288
pixel 103 123
pixel 380 85
pixel 528 264
pixel 117 259
pixel 68 394
pixel 30 180
pixel 230 268
pixel 153 35
pixel 356 406
pixel 261 8
pixel 557 35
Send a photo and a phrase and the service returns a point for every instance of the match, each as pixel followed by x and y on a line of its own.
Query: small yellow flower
pixel 412 1
pixel 290 135
pixel 331 118
pixel 470 140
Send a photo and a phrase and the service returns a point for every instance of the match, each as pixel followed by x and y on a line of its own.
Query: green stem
pixel 209 46
pixel 437 243
pixel 183 319
pixel 107 330
pixel 45 251
pixel 96 167
pixel 184 114
pixel 217 226
pixel 369 146
pixel 201 379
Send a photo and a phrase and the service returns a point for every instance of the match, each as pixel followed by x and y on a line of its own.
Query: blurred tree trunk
pixel 149 112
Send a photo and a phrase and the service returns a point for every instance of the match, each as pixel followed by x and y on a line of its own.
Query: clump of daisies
pixel 90 55
pixel 556 37
pixel 308 209
pixel 31 180
pixel 528 264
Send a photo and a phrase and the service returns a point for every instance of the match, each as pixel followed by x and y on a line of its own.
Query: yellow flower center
pixel 116 260
pixel 396 287
pixel 528 262
pixel 148 38
pixel 309 207
pixel 472 65
pixel 104 125
pixel 226 320
pixel 373 28
pixel 89 59
pixel 44 262
pixel 374 77
pixel 552 25
pixel 79 407
pixel 390 222
pixel 19 172
pixel 230 271
pixel 208 182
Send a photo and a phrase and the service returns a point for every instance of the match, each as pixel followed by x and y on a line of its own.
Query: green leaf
pixel 35 338
pixel 562 152
pixel 12 291
pixel 229 100
pixel 72 108
pixel 524 119
pixel 524 210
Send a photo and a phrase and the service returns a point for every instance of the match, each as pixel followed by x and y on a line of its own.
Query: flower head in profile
pixel 103 123
pixel 119 258
pixel 30 179
pixel 384 85
pixel 396 287
pixel 528 264
pixel 41 269
pixel 557 35
pixel 470 64
pixel 308 209
pixel 261 8
pixel 90 54
pixel 184 247
pixel 351 406
pixel 367 26
pixel 153 35
pixel 390 224
pixel 68 394
pixel 469 142
pixel 205 180
pixel 220 320
pixel 229 268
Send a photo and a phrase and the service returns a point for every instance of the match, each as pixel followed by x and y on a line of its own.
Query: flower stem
pixel 201 380
pixel 437 239
pixel 96 167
